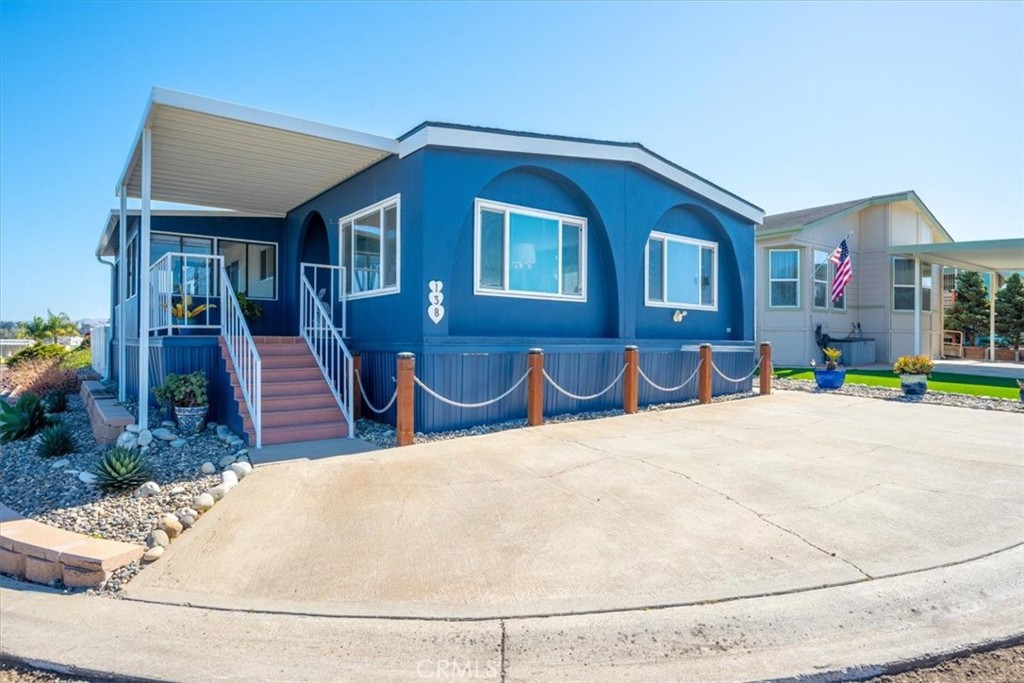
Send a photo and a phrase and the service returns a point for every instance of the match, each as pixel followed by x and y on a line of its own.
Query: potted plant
pixel 913 372
pixel 182 312
pixel 831 376
pixel 187 393
pixel 250 309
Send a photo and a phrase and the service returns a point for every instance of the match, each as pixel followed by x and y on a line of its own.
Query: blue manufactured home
pixel 464 246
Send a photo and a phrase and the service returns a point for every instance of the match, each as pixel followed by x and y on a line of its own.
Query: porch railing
pixel 184 292
pixel 316 325
pixel 243 354
pixel 127 313
pixel 328 282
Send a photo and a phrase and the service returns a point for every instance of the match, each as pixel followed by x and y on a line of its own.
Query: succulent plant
pixel 56 440
pixel 22 419
pixel 56 402
pixel 121 468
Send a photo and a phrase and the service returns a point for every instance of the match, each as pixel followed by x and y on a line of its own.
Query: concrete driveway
pixel 756 497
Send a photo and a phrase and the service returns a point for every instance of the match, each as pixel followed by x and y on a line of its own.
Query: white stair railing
pixel 243 353
pixel 332 356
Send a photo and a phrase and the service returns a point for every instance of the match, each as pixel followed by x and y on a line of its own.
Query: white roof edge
pixel 164 97
pixel 443 136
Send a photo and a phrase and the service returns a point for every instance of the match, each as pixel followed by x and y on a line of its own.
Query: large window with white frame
pixel 681 272
pixel 784 278
pixel 251 267
pixel 902 284
pixel 371 248
pixel 525 252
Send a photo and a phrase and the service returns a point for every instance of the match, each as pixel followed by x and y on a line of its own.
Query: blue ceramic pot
pixel 190 420
pixel 914 385
pixel 830 379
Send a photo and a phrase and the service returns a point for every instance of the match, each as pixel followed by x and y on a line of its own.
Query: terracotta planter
pixel 914 385
pixel 830 379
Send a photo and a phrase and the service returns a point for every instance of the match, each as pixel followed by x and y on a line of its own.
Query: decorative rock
pixel 218 491
pixel 145 437
pixel 211 425
pixel 203 502
pixel 178 443
pixel 208 468
pixel 187 521
pixel 227 460
pixel 72 471
pixel 223 433
pixel 158 537
pixel 235 443
pixel 168 423
pixel 228 479
pixel 153 553
pixel 164 433
pixel 177 491
pixel 87 477
pixel 150 488
pixel 170 525
pixel 242 453
pixel 63 462
pixel 240 469
pixel 134 429
pixel 127 440
pixel 186 512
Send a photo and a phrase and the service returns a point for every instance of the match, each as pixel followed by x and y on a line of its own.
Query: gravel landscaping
pixel 59 491
pixel 932 397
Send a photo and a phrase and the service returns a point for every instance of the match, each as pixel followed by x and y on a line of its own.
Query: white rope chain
pixel 366 400
pixel 591 396
pixel 670 389
pixel 741 379
pixel 456 404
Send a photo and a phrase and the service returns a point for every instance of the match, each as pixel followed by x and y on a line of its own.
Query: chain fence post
pixel 405 408
pixel 766 368
pixel 535 388
pixel 631 381
pixel 357 396
pixel 704 379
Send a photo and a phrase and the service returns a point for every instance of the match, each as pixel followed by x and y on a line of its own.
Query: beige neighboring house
pixel 879 307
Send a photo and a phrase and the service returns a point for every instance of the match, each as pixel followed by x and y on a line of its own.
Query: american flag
pixel 844 269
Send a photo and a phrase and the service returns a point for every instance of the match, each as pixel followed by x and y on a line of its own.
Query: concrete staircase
pixel 297 403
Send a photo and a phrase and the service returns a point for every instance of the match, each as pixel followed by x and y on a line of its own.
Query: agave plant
pixel 121 468
pixel 56 402
pixel 22 419
pixel 56 440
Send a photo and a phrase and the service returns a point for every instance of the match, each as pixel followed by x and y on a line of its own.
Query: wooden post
pixel 704 377
pixel 631 381
pixel 405 403
pixel 766 368
pixel 357 396
pixel 535 388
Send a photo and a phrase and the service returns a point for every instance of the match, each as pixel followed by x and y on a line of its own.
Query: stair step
pixel 275 375
pixel 298 418
pixel 277 340
pixel 312 432
pixel 314 387
pixel 288 360
pixel 296 401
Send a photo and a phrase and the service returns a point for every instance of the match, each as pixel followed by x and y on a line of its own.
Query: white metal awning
pixel 211 153
pixel 984 255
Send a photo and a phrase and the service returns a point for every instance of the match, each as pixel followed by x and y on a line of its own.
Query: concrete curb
pixel 846 633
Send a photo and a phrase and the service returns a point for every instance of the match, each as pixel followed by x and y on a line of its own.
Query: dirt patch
pixel 997 666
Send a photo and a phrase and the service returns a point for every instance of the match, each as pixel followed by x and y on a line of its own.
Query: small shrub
pixel 121 468
pixel 56 402
pixel 37 352
pixel 22 419
pixel 78 359
pixel 42 376
pixel 251 310
pixel 184 391
pixel 913 365
pixel 55 441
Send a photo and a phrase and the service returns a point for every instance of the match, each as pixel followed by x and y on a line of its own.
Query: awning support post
pixel 917 307
pixel 122 294
pixel 147 187
pixel 993 286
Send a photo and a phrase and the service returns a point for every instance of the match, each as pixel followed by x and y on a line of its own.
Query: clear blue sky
pixel 787 105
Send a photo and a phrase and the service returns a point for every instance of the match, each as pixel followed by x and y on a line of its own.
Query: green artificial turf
pixel 976 385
